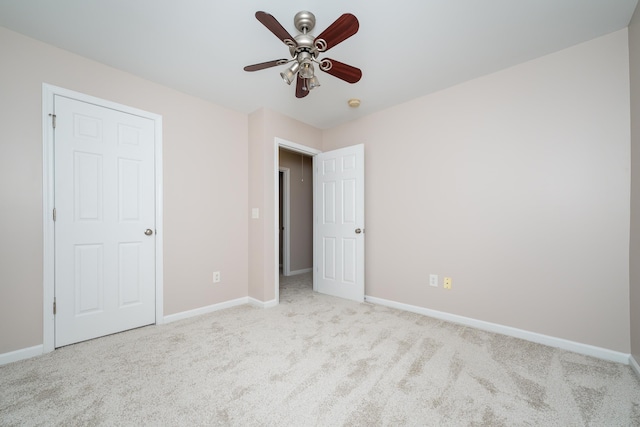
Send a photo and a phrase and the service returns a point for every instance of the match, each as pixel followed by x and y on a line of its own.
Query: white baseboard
pixel 304 270
pixel 204 310
pixel 38 350
pixel 21 354
pixel 634 365
pixel 263 304
pixel 576 347
pixel 586 349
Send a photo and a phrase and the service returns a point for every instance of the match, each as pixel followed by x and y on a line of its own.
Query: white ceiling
pixel 405 49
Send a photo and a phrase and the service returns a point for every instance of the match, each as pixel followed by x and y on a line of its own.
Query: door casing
pixel 286 221
pixel 48 202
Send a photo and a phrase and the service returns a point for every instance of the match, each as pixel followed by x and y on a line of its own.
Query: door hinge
pixel 54 214
pixel 53 120
pixel 54 306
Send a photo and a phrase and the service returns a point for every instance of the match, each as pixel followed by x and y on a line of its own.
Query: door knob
pixel 358 231
pixel 148 232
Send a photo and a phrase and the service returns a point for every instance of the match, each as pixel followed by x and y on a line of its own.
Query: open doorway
pixel 337 252
pixel 295 212
pixel 294 173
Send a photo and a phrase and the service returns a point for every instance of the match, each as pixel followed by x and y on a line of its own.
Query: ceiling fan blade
pixel 274 26
pixel 343 28
pixel 302 88
pixel 341 70
pixel 263 65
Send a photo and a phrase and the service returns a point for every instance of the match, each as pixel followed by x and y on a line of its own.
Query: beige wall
pixel 301 209
pixel 258 173
pixel 205 184
pixel 264 126
pixel 517 186
pixel 634 249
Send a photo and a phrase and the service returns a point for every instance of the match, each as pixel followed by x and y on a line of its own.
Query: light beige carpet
pixel 316 360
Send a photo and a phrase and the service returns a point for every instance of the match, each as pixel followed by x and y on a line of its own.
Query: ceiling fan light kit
pixel 290 73
pixel 305 48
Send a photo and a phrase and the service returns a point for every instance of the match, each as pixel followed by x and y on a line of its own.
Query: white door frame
pixel 299 148
pixel 286 221
pixel 48 93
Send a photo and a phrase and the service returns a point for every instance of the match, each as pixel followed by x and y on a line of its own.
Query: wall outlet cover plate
pixel 433 280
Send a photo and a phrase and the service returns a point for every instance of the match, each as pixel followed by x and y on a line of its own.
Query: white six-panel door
pixel 105 201
pixel 339 222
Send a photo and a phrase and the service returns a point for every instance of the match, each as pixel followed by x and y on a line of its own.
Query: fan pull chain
pixel 302 167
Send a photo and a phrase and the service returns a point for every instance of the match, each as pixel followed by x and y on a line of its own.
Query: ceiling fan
pixel 305 48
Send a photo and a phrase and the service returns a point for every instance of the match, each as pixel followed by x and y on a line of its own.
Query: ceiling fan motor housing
pixel 304 21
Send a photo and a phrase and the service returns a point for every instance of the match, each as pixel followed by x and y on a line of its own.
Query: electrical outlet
pixel 447 282
pixel 433 280
pixel 216 277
